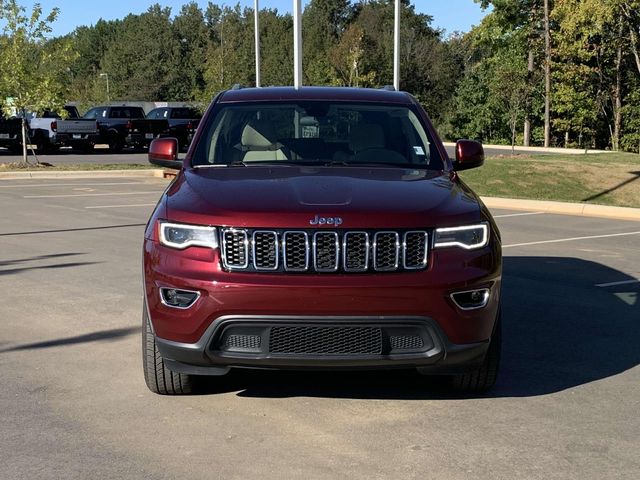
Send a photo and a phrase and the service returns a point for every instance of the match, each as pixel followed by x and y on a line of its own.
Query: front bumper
pixel 419 302
pixel 252 341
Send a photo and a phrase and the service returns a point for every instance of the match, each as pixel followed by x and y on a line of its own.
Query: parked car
pixel 183 122
pixel 11 134
pixel 41 129
pixel 319 228
pixel 116 126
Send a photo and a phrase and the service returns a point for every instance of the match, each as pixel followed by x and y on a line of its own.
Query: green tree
pixel 142 61
pixel 90 45
pixel 191 33
pixel 631 138
pixel 347 59
pixel 518 24
pixel 33 69
pixel 600 35
pixel 230 57
pixel 276 40
pixel 323 23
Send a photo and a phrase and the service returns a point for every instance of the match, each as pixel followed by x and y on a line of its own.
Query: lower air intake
pixel 406 342
pixel 243 342
pixel 326 340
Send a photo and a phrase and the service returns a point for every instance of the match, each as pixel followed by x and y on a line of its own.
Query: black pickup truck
pixel 118 127
pixel 183 122
pixel 11 134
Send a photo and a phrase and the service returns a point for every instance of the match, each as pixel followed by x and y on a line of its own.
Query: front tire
pixel 158 377
pixel 485 377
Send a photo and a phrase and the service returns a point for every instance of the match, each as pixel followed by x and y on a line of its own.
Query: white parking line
pixel 559 240
pixel 124 206
pixel 68 184
pixel 93 194
pixel 613 284
pixel 518 214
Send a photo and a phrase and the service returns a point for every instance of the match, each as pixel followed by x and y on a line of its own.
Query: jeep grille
pixel 323 251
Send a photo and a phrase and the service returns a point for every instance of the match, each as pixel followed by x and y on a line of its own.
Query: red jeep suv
pixel 319 228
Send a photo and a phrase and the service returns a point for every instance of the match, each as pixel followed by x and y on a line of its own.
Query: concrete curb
pixel 149 172
pixel 564 208
pixel 568 151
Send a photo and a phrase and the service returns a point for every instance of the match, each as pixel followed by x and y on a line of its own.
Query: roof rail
pixel 390 88
pixel 237 86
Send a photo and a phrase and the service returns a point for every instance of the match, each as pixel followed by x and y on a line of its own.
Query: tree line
pixel 538 72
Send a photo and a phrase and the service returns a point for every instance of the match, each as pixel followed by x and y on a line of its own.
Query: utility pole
pixel 527 116
pixel 297 44
pixel 547 76
pixel 106 76
pixel 396 46
pixel 256 26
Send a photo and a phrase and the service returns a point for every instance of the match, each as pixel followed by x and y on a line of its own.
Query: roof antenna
pixel 297 44
pixel 256 26
pixel 396 47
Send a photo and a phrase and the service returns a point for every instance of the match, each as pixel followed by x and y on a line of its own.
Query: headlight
pixel 175 235
pixel 468 237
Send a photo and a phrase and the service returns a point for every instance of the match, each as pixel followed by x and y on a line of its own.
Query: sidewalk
pixel 518 148
pixel 24 175
pixel 564 208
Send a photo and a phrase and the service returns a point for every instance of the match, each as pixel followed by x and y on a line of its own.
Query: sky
pixel 451 15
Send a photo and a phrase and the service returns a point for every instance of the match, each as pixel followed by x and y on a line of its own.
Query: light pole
pixel 396 46
pixel 297 44
pixel 256 11
pixel 106 76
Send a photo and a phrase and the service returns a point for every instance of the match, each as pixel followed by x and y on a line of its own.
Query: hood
pixel 292 197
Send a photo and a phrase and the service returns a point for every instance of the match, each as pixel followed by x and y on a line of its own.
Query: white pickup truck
pixel 41 132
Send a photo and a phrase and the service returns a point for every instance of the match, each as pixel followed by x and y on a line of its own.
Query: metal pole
pixel 256 10
pixel 396 46
pixel 106 76
pixel 297 43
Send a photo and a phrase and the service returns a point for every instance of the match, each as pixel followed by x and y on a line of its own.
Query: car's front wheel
pixel 485 377
pixel 158 377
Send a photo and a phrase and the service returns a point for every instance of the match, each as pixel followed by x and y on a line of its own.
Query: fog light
pixel 471 299
pixel 173 297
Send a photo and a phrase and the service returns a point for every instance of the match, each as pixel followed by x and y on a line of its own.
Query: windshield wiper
pixel 236 163
pixel 372 164
pixel 334 163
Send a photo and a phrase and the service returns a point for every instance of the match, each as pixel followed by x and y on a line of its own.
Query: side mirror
pixel 469 154
pixel 164 153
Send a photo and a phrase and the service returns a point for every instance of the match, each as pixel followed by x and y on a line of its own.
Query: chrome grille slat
pixel 265 250
pixel 295 248
pixel 355 247
pixel 235 249
pixel 326 251
pixel 386 250
pixel 414 250
pixel 323 251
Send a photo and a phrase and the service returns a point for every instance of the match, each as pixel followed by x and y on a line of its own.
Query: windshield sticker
pixel 418 150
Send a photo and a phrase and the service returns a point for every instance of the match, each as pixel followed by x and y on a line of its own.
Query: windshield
pixel 317 133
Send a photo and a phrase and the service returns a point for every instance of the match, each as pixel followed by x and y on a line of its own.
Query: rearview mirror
pixel 164 153
pixel 469 154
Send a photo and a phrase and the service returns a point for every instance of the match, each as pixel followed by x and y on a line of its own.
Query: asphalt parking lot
pixel 67 156
pixel 74 404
